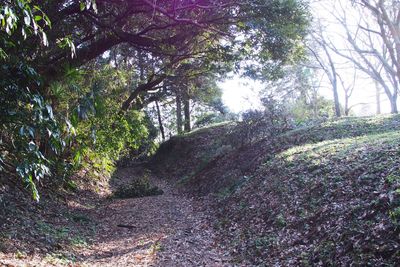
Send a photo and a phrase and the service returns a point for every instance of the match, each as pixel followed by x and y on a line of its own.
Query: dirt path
pixel 165 230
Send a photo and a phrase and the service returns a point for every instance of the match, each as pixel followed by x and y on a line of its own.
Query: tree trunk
pixel 395 94
pixel 336 98
pixel 315 102
pixel 346 105
pixel 160 121
pixel 141 66
pixel 333 77
pixel 378 98
pixel 393 104
pixel 141 89
pixel 179 113
pixel 186 111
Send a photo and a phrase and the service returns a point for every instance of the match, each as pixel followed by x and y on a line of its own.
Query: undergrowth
pixel 330 197
pixel 138 188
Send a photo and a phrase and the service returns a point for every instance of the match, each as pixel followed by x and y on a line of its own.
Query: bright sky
pixel 242 94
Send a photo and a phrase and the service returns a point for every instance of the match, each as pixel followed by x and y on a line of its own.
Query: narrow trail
pixel 165 230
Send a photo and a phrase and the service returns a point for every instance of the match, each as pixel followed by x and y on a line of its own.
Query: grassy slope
pixel 182 157
pixel 321 195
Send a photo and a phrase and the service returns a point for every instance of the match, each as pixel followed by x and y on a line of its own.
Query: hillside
pixel 326 194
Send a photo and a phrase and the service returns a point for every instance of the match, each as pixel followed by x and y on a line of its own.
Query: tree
pixel 387 16
pixel 298 91
pixel 172 31
pixel 348 90
pixel 52 72
pixel 327 64
pixel 372 43
pixel 378 98
pixel 160 123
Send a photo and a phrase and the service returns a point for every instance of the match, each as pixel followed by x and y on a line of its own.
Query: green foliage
pixel 103 133
pixel 280 220
pixel 208 118
pixel 51 232
pixel 104 140
pixel 86 131
pixel 138 188
pixel 256 124
pixel 24 16
pixel 30 127
pixel 87 5
pixel 395 216
pixel 298 92
pixel 303 112
pixel 79 242
pixel 31 136
pixel 59 259
pixel 60 116
pixel 273 44
pixel 345 128
pixel 264 243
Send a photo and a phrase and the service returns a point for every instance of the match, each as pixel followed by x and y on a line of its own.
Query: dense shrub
pixel 30 137
pixel 103 133
pixel 256 124
pixel 138 188
pixel 77 124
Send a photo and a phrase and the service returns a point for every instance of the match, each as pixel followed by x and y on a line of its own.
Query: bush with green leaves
pixel 22 16
pixel 303 113
pixel 86 130
pixel 138 188
pixel 259 124
pixel 51 128
pixel 103 133
pixel 33 136
pixel 30 134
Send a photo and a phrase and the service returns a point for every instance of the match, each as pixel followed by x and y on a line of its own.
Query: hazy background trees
pixel 357 43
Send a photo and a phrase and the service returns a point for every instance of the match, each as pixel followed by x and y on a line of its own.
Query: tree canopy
pixel 75 72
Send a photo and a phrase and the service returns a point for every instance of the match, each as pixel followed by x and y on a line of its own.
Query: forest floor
pixel 327 194
pixel 165 230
